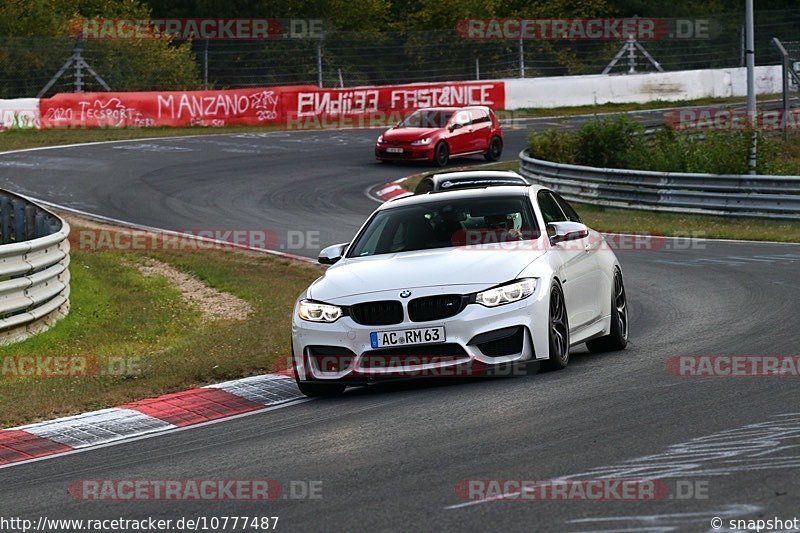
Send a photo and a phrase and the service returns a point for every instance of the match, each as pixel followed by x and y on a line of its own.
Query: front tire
pixel 558 330
pixel 495 149
pixel 441 154
pixel 618 338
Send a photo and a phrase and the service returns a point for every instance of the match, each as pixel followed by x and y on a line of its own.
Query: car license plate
pixel 404 337
pixel 394 150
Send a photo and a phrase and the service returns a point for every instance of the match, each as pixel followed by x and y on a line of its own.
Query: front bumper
pixel 410 153
pixel 342 351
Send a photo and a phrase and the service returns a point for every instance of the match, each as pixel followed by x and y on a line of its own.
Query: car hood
pixel 447 266
pixel 408 134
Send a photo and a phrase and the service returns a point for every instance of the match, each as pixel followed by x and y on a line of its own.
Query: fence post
pixel 319 63
pixel 751 87
pixel 205 65
pixel 741 46
pixel 78 63
pixel 477 69
pixel 521 57
pixel 785 82
pixel 631 55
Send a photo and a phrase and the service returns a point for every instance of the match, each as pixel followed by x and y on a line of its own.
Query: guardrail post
pixel 41 225
pixel 30 222
pixel 5 219
pixel 19 220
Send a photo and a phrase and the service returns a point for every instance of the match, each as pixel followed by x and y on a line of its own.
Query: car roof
pixel 454 108
pixel 484 192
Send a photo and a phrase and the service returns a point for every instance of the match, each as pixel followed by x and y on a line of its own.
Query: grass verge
pixel 615 220
pixel 147 335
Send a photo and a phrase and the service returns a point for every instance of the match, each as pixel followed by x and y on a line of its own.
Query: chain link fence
pixel 368 58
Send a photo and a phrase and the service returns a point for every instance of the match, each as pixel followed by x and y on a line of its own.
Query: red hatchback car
pixel 438 133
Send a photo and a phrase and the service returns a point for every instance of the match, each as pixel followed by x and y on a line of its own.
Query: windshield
pixel 445 224
pixel 426 119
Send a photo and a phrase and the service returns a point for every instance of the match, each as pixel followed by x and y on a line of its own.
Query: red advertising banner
pixel 292 106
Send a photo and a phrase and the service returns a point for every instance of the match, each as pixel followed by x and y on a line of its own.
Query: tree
pixel 39 36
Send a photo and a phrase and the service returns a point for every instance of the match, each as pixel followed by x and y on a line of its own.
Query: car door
pixel 481 130
pixel 577 267
pixel 460 136
pixel 593 244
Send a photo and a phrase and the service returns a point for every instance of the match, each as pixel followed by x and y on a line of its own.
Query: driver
pixel 503 225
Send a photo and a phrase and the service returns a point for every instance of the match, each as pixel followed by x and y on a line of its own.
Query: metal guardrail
pixel 34 261
pixel 731 195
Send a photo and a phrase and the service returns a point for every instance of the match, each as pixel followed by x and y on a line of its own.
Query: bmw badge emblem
pixel 405 294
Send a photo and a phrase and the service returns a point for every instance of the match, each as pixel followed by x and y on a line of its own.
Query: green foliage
pixel 145 65
pixel 608 142
pixel 619 143
pixel 554 145
pixel 39 35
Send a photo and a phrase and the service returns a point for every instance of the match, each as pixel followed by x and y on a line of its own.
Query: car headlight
pixel 380 139
pixel 421 142
pixel 506 294
pixel 317 312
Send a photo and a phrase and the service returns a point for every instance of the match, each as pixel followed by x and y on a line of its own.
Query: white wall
pixel 637 88
pixel 19 113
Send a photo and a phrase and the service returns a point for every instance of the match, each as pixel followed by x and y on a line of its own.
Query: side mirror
pixel 454 127
pixel 567 231
pixel 332 254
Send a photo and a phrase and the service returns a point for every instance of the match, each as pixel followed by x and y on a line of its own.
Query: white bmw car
pixel 476 279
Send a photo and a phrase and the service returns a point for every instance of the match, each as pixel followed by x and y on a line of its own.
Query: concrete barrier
pixel 599 89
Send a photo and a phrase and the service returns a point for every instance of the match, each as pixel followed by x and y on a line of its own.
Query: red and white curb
pixel 389 191
pixel 154 415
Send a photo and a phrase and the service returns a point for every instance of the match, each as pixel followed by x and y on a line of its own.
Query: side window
pixel 479 117
pixel 550 210
pixel 463 118
pixel 572 216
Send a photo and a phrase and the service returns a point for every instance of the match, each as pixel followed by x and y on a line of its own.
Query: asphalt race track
pixel 390 457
